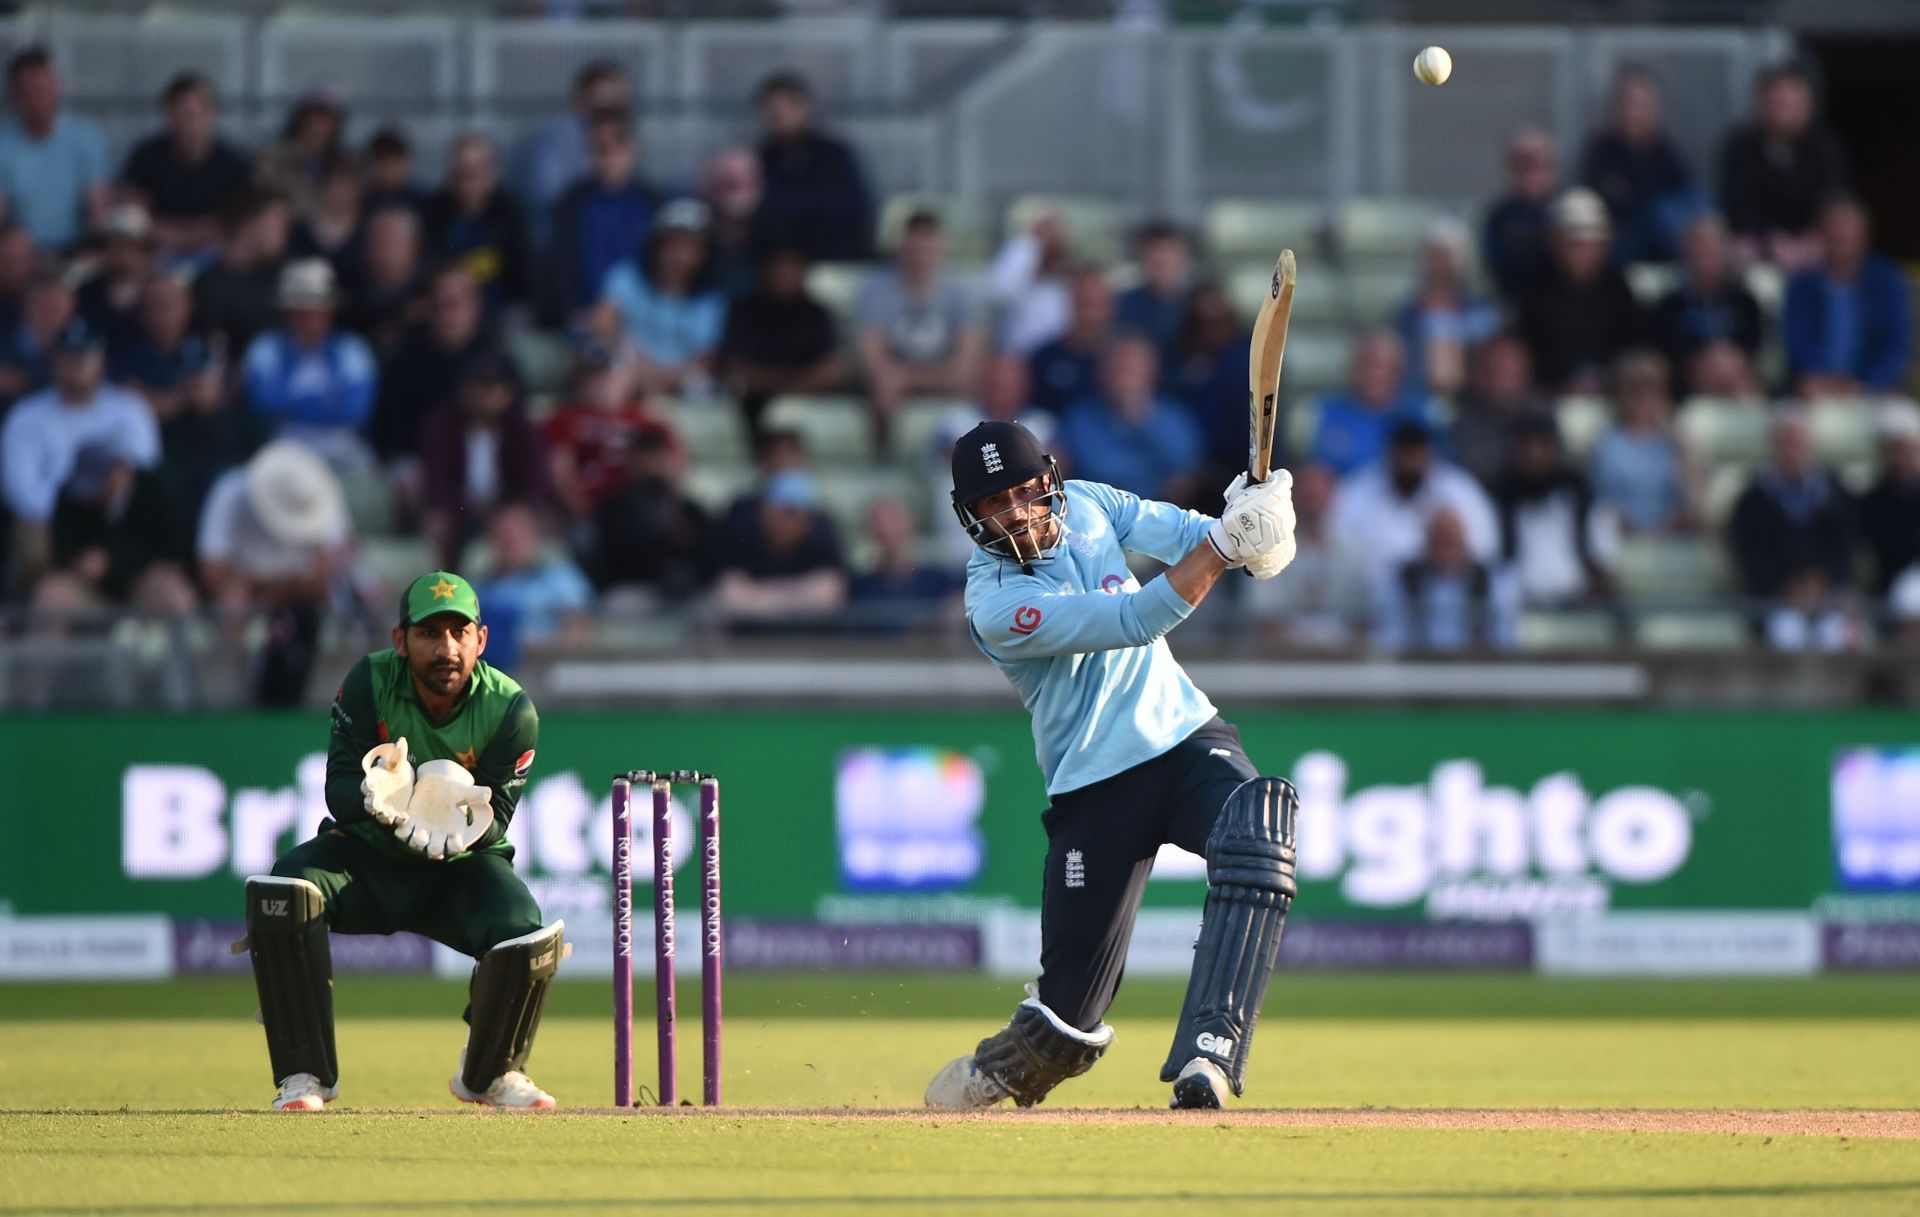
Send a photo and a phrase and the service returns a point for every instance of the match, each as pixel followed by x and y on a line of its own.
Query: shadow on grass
pixel 920 1200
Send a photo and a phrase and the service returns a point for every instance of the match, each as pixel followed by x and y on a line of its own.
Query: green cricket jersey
pixel 492 733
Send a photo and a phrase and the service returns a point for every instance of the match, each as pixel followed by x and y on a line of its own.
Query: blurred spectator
pixel 1641 470
pixel 815 191
pixel 110 299
pixel 1444 318
pixel 1325 595
pixel 185 174
pixel 53 164
pixel 333 226
pixel 1003 394
pixel 163 352
pixel 1848 321
pixel 557 154
pixel 1637 172
pixel 183 376
pixel 1777 170
pixel 778 338
pixel 1580 315
pixel 1791 516
pixel 311 381
pixel 1353 424
pixel 386 282
pixel 1558 543
pixel 648 534
pixel 1810 615
pixel 479 449
pixel 18 259
pixel 1068 368
pixel 1129 436
pixel 274 538
pixel 1710 309
pixel 44 434
pixel 788 563
pixel 1518 223
pixel 731 187
pixel 1499 392
pixel 1890 511
pixel 113 522
pixel 1446 599
pixel 588 437
pixel 1721 369
pixel 601 219
pixel 900 594
pixel 533 594
pixel 1156 307
pixel 1210 376
pixel 918 332
pixel 471 219
pixel 1027 285
pixel 24 350
pixel 234 297
pixel 389 170
pixel 1381 512
pixel 308 150
pixel 419 375
pixel 666 305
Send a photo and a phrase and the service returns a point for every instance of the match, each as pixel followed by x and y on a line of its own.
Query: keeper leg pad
pixel 1037 1051
pixel 509 991
pixel 293 972
pixel 1250 886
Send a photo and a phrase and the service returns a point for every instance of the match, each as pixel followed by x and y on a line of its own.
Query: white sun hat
pixel 294 495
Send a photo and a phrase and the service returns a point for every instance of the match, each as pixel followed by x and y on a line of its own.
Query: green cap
pixel 438 591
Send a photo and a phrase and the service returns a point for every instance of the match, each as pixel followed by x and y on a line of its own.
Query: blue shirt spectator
pixel 668 308
pixel 1354 424
pixel 1209 374
pixel 1445 600
pixel 1130 437
pixel 306 375
pixel 1634 167
pixel 1443 318
pixel 53 165
pixel 1514 241
pixel 1156 306
pixel 48 307
pixel 899 593
pixel 600 221
pixel 1640 471
pixel 1848 323
pixel 555 155
pixel 531 596
pixel 1066 369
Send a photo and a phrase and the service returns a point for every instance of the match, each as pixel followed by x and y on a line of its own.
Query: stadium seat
pixel 715 486
pixel 1317 359
pixel 397 561
pixel 542 358
pixel 1701 631
pixel 1317 298
pixel 836 428
pixel 1261 228
pixel 1651 280
pixel 1843 429
pixel 1769 288
pixel 1383 227
pixel 837 284
pixel 1096 227
pixel 1376 295
pixel 710 427
pixel 1726 430
pixel 1669 570
pixel 919 422
pixel 1582 421
pixel 1725 485
pixel 1297 425
pixel 969 237
pixel 848 492
pixel 1547 631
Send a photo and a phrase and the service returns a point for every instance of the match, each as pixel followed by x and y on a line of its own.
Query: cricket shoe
pixel 961 1085
pixel 303 1092
pixel 1201 1085
pixel 510 1089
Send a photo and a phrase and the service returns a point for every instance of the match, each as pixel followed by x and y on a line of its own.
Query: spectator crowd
pixel 221 367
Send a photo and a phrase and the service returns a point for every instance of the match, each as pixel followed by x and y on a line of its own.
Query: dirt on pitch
pixel 1895 1124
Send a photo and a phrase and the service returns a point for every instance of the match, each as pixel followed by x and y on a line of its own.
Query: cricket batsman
pixel 1134 756
pixel 430 749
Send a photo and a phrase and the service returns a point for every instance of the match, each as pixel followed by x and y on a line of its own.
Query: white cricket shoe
pixel 303 1092
pixel 960 1084
pixel 510 1089
pixel 1202 1084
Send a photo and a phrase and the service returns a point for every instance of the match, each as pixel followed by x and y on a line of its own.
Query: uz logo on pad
pixel 275 908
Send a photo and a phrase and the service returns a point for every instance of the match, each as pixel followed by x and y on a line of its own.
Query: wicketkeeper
pixel 1134 756
pixel 430 749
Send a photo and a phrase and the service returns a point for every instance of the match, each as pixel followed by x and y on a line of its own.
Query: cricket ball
pixel 1433 65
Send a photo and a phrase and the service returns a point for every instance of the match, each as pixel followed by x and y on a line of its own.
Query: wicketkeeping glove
pixel 1258 521
pixel 447 812
pixel 387 784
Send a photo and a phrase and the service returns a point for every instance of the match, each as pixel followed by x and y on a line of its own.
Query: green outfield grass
pixel 145 1099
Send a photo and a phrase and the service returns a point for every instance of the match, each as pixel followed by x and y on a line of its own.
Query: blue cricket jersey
pixel 1084 643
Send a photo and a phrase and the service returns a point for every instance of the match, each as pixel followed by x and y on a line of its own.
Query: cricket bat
pixel 1263 368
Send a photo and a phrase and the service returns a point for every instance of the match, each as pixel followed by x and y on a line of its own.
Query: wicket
pixel 662 783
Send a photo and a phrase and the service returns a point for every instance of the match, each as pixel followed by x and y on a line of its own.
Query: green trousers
pixel 469 904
